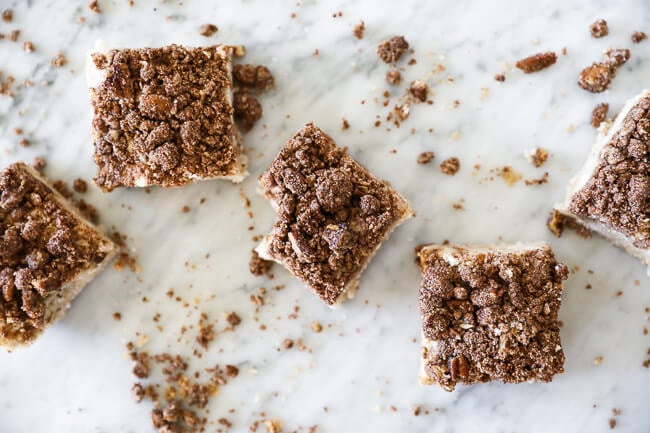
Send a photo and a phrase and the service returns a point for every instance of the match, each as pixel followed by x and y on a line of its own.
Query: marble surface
pixel 361 372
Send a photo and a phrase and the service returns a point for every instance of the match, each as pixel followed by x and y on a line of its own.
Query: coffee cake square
pixel 163 116
pixel 48 253
pixel 490 313
pixel 332 214
pixel 611 193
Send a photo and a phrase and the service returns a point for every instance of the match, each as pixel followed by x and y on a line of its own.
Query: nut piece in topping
pixel 599 114
pixel 599 29
pixel 426 157
pixel 638 37
pixel 470 297
pixel 450 166
pixel 611 193
pixel 393 77
pixel 537 62
pixel 359 30
pixel 208 29
pixel 48 253
pixel 332 214
pixel 391 51
pixel 256 77
pixel 163 116
pixel 419 90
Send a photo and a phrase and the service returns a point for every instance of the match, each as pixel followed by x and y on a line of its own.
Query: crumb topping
pixel 426 157
pixel 450 166
pixel 618 193
pixel 332 213
pixel 638 37
pixel 163 116
pixel 359 30
pixel 493 315
pixel 43 247
pixel 208 30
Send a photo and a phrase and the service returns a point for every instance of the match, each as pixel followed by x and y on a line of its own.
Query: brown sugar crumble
pixel 359 30
pixel 80 186
pixel 391 51
pixel 59 61
pixel 332 214
pixel 426 157
pixel 539 181
pixel 162 116
pixel 345 125
pixel 638 37
pixel 419 90
pixel 393 77
pixel 599 114
pixel 599 29
pixel 208 30
pixel 556 223
pixel 256 77
pixel 450 166
pixel 258 266
pixel 500 78
pixel 469 298
pixel 7 15
pixel 46 254
pixel 597 77
pixel 94 7
pixel 233 319
pixel 537 62
pixel 538 156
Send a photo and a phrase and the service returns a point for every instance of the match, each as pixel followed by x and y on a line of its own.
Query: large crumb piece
pixel 617 56
pixel 208 30
pixel 48 253
pixel 450 166
pixel 426 157
pixel 596 78
pixel 163 116
pixel 7 15
pixel 599 29
pixel 599 114
pixel 538 156
pixel 537 62
pixel 332 214
pixel 470 298
pixel 257 77
pixel 611 193
pixel 391 51
pixel 393 77
pixel 359 30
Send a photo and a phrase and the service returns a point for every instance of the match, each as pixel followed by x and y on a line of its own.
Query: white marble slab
pixel 77 377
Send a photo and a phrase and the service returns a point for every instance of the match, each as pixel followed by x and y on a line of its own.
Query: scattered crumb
pixel 7 15
pixel 394 77
pixel 273 425
pixel 233 319
pixel 537 62
pixel 39 164
pixel 59 61
pixel 13 35
pixel 500 78
pixel 509 175
pixel 538 156
pixel 391 51
pixel 557 222
pixel 117 316
pixel 345 125
pixel 599 29
pixel 617 56
pixel 538 181
pixel 417 410
pixel 419 90
pixel 426 157
pixel 596 78
pixel 598 360
pixel 24 142
pixel 637 37
pixel 287 343
pixel 208 29
pixel 316 327
pixel 185 209
pixel 259 266
pixel 80 186
pixel 359 30
pixel 450 166
pixel 599 114
pixel 612 423
pixel 94 7
pixel 28 46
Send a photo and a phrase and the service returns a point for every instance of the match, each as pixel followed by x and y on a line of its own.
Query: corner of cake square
pixel 490 313
pixel 48 253
pixel 610 195
pixel 163 116
pixel 332 214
